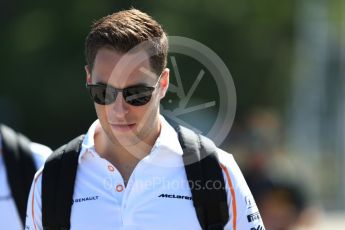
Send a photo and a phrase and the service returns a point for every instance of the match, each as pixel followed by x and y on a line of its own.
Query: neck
pixel 124 158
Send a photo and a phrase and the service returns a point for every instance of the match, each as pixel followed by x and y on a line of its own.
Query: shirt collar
pixel 88 145
pixel 167 141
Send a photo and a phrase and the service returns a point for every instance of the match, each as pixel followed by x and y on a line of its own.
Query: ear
pixel 164 82
pixel 88 74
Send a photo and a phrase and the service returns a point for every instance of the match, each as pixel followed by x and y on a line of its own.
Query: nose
pixel 119 108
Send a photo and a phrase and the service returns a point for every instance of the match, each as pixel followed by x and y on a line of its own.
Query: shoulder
pixel 36 185
pixel 12 138
pixel 232 173
pixel 227 161
pixel 225 158
pixel 243 210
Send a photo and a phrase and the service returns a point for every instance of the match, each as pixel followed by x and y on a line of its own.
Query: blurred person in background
pixel 19 160
pixel 261 138
pixel 280 199
pixel 283 206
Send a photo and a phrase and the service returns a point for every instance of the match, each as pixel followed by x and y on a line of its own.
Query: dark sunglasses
pixel 136 95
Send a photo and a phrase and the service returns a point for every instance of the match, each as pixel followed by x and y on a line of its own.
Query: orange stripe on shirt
pixel 32 200
pixel 233 197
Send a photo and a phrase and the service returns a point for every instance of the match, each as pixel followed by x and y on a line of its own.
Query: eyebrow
pixel 139 84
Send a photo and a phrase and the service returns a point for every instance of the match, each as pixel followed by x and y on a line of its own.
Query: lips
pixel 123 127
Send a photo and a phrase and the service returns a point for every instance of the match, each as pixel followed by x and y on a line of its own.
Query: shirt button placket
pixel 117 187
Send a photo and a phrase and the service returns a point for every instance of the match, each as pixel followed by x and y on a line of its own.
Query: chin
pixel 126 140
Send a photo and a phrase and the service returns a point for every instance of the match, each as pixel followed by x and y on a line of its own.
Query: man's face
pixel 123 123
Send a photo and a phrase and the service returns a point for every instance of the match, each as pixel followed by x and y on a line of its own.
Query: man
pixel 19 160
pixel 130 172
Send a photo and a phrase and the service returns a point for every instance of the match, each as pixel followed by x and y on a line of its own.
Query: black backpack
pixel 20 167
pixel 201 164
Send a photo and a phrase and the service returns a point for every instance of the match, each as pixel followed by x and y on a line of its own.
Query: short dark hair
pixel 123 31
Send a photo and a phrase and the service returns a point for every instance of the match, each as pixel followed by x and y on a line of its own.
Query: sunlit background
pixel 287 60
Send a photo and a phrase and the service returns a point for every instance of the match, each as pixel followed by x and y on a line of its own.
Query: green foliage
pixel 42 60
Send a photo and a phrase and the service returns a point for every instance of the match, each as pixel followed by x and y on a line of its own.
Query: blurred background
pixel 287 62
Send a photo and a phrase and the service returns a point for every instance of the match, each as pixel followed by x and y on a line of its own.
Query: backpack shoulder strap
pixel 58 178
pixel 205 178
pixel 20 167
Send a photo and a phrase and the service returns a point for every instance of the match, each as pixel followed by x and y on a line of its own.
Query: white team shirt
pixel 9 217
pixel 157 195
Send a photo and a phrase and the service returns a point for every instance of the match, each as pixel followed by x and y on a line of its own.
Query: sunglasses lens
pixel 138 95
pixel 101 94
